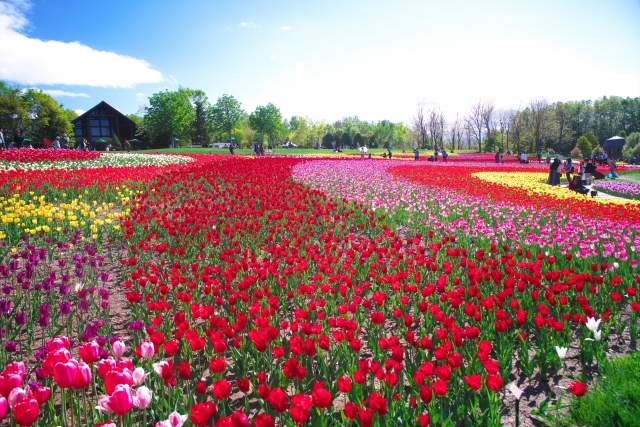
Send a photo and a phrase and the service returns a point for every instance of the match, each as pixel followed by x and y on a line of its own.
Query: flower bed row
pixel 353 296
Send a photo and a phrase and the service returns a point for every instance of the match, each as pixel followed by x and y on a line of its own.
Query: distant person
pixel 445 156
pixel 435 154
pixel 548 158
pixel 3 146
pixel 508 151
pixel 384 155
pixel 64 141
pixel 497 157
pixel 554 177
pixel 389 151
pixel 523 158
pixel 362 152
pixel 18 139
pixel 416 154
pixel 231 149
pixel 539 157
pixel 56 143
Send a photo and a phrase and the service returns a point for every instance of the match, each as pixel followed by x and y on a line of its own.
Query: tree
pixel 345 140
pixel 225 115
pixel 13 111
pixel 266 120
pixel 593 139
pixel 539 119
pixel 584 145
pixel 455 132
pixel 200 124
pixel 487 118
pixel 562 115
pixel 327 140
pixel 358 140
pixel 47 117
pixel 71 115
pixel 475 122
pixel 419 125
pixel 168 116
pixel 632 147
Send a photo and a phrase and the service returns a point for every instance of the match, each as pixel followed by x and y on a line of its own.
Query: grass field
pixel 289 151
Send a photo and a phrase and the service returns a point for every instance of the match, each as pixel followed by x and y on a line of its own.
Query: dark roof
pixel 616 141
pixel 107 107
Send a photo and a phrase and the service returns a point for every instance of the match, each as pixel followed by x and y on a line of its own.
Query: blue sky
pixel 324 59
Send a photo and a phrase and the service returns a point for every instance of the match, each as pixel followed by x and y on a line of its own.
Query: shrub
pixel 632 147
pixel 576 153
pixel 584 145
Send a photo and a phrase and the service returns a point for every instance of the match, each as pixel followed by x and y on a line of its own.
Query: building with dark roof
pixel 102 122
pixel 613 146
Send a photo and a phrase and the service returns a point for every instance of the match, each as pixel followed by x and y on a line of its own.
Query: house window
pixel 100 127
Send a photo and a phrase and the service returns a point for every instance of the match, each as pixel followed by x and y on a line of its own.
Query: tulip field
pixel 218 290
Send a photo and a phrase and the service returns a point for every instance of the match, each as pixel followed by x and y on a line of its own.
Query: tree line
pixel 187 117
pixel 539 126
pixel 34 112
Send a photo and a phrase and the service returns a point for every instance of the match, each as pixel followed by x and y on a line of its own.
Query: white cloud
pixel 272 57
pixel 249 24
pixel 287 28
pixel 32 61
pixel 172 79
pixel 80 111
pixel 139 95
pixel 58 92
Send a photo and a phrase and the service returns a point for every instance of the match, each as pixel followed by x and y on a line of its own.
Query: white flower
pixel 593 324
pixel 597 335
pixel 562 352
pixel 79 286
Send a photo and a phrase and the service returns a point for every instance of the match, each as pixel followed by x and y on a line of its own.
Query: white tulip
pixel 593 324
pixel 597 335
pixel 562 352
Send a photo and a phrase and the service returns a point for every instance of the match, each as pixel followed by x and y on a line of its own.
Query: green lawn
pixel 288 151
pixel 630 176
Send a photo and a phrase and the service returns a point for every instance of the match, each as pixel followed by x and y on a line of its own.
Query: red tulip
pixel 263 420
pixel 578 388
pixel 440 387
pixel 474 381
pixel 278 399
pixel 320 396
pixel 42 394
pixel 26 412
pixel 494 382
pixel 221 389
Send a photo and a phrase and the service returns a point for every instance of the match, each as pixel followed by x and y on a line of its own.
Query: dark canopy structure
pixel 103 121
pixel 613 146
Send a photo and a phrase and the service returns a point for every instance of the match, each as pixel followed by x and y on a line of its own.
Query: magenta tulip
pixel 64 373
pixel 89 352
pixel 83 377
pixel 121 400
pixel 114 378
pixel 3 408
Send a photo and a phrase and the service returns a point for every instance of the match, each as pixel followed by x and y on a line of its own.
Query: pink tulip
pixel 16 396
pixel 139 375
pixel 89 352
pixel 64 373
pixel 121 400
pixel 118 348
pixel 3 408
pixel 83 377
pixel 142 398
pixel 175 420
pixel 103 405
pixel 146 349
